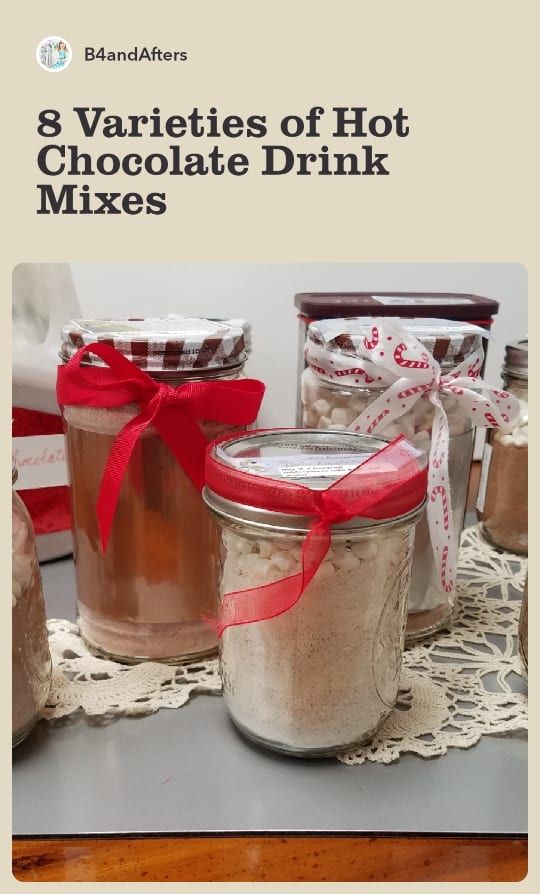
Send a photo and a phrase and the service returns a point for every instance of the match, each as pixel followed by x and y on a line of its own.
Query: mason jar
pixel 143 597
pixel 30 656
pixel 502 503
pixel 322 675
pixel 330 404
pixel 312 306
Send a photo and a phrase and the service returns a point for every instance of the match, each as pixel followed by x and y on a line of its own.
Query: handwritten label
pixel 40 461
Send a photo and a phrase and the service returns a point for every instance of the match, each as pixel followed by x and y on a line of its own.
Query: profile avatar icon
pixel 53 53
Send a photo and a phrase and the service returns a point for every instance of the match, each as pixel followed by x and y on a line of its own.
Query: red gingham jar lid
pixel 160 344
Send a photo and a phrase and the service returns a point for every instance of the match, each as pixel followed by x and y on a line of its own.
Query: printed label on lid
pixel 436 299
pixel 301 465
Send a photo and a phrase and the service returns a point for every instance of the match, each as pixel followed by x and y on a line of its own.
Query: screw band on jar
pixel 388 484
pixel 173 412
pixel 380 353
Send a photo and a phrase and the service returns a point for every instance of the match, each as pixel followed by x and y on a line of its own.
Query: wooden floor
pixel 339 859
pixel 227 859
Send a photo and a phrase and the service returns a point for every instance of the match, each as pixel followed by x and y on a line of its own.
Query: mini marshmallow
pixel 322 407
pixel 341 416
pixel 365 549
pixel 282 562
pixel 265 548
pixel 346 562
pixel 324 422
pixel 338 552
pixel 256 567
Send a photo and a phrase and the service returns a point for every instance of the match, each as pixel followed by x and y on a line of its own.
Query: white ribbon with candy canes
pixel 391 356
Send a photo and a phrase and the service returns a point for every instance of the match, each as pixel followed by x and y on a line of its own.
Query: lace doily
pixel 455 687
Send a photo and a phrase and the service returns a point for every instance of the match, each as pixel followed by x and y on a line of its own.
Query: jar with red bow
pixel 420 378
pixel 315 548
pixel 141 399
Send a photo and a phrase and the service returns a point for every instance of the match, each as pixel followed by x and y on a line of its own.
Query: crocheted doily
pixel 461 684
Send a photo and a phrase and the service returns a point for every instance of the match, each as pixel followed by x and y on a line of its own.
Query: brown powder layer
pixel 505 514
pixel 145 597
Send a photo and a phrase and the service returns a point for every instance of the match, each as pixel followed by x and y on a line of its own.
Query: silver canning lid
pixel 314 458
pixel 516 360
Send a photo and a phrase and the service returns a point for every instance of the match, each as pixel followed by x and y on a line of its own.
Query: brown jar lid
pixel 445 305
pixel 160 343
pixel 516 360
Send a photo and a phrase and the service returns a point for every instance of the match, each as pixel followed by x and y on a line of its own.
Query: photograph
pixel 284 538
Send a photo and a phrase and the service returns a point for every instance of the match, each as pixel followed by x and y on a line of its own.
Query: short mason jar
pixel 523 628
pixel 502 504
pixel 31 659
pixel 330 405
pixel 143 599
pixel 322 676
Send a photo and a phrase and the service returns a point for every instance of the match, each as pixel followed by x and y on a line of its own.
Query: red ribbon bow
pixel 388 484
pixel 174 412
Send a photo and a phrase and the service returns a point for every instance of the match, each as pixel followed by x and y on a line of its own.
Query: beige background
pixel 462 183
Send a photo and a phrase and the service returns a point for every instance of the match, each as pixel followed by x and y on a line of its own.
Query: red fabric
pixel 388 484
pixel 174 412
pixel 49 507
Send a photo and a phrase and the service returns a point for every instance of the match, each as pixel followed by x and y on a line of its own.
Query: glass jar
pixel 330 405
pixel 523 629
pixel 314 306
pixel 323 675
pixel 502 503
pixel 31 659
pixel 144 596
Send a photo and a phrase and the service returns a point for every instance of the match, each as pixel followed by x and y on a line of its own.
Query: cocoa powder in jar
pixel 502 503
pixel 145 597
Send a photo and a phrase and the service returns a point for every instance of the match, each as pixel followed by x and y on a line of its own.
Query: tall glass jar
pixel 503 493
pixel 313 306
pixel 328 404
pixel 31 659
pixel 322 675
pixel 144 596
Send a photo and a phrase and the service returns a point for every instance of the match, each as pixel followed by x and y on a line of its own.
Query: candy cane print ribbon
pixel 390 357
pixel 389 484
pixel 174 413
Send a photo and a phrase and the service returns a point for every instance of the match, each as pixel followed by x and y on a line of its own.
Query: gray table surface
pixel 189 771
